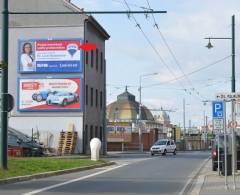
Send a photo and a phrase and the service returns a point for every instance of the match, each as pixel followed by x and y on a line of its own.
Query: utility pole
pixel 184 127
pixel 234 152
pixel 4 89
pixel 140 110
pixel 140 116
pixel 189 126
pixel 233 90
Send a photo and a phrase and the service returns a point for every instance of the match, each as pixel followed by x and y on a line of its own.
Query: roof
pixel 127 109
pixel 34 20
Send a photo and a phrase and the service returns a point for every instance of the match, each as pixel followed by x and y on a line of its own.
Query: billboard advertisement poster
pixel 50 94
pixel 50 56
pixel 119 133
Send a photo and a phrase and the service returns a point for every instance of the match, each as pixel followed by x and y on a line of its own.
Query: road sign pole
pixel 218 153
pixel 233 144
pixel 225 147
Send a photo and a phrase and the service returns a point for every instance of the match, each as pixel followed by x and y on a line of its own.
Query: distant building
pixel 123 118
pixel 86 97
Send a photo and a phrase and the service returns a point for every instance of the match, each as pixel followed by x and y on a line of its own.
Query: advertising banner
pixel 50 56
pixel 119 133
pixel 50 94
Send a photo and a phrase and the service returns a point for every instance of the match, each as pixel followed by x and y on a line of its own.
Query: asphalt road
pixel 134 174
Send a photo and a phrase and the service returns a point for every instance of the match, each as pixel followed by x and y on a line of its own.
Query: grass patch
pixel 28 166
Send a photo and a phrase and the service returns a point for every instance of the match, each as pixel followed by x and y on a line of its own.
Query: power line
pixel 132 4
pixel 152 46
pixel 170 50
pixel 190 73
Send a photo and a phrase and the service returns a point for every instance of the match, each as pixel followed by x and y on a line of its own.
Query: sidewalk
pixel 210 183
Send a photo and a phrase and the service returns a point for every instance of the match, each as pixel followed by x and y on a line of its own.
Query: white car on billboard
pixel 62 98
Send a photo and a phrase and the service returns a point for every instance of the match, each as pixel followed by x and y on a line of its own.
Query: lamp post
pixel 140 109
pixel 4 90
pixel 233 90
pixel 184 116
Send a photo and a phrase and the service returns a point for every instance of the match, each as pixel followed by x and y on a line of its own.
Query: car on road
pixel 214 153
pixel 62 98
pixel 163 146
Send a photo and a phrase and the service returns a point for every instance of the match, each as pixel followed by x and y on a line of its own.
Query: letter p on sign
pixel 218 109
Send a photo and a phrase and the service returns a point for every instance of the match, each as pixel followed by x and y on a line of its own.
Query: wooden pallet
pixel 67 141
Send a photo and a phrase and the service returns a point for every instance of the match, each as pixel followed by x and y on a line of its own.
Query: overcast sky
pixel 184 27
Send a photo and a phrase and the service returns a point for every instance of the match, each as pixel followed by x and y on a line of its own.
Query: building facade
pixel 124 125
pixel 88 119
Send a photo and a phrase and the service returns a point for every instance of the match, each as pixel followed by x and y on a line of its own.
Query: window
pixel 101 99
pixel 86 54
pixel 91 132
pixel 96 131
pixel 85 140
pixel 96 59
pixel 101 62
pixel 104 66
pixel 92 58
pixel 91 96
pixel 96 98
pixel 86 94
pixel 101 133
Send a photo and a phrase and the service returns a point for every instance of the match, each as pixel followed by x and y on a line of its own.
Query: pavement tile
pixel 215 184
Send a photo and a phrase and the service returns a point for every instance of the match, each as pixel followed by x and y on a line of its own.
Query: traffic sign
pixel 10 102
pixel 232 124
pixel 218 109
pixel 228 96
pixel 218 123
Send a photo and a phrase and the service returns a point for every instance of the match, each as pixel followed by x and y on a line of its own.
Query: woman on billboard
pixel 27 59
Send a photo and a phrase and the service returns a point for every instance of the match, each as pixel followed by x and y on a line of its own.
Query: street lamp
pixel 140 108
pixel 233 89
pixel 209 46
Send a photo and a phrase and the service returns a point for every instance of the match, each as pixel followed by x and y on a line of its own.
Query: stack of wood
pixel 67 141
pixel 61 142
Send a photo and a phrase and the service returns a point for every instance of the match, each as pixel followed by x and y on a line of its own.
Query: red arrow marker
pixel 88 46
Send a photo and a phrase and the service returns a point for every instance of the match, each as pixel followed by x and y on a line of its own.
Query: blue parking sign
pixel 218 109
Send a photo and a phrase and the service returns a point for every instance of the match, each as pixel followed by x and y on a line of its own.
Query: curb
pixel 199 181
pixel 52 173
pixel 189 184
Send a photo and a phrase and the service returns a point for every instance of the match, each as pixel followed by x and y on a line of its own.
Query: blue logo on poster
pixel 72 49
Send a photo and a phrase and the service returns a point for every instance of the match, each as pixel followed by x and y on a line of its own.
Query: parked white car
pixel 163 146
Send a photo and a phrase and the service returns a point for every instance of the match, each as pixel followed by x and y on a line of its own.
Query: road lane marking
pixel 73 180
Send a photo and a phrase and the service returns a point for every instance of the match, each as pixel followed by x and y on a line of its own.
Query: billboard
pixel 50 94
pixel 119 133
pixel 50 56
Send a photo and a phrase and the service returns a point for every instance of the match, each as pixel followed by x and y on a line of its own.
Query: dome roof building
pixel 126 109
